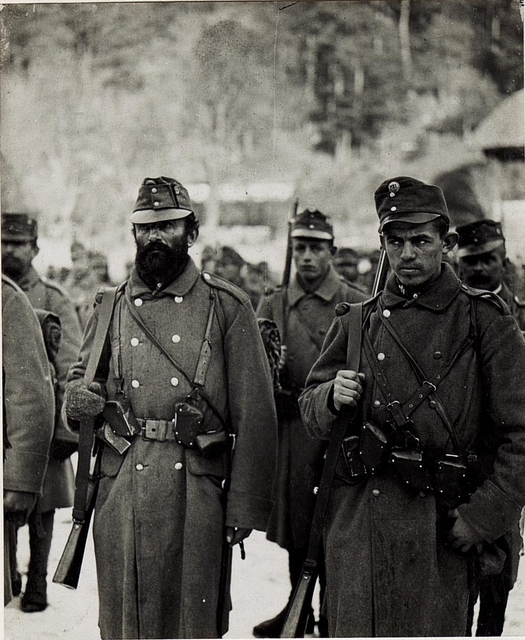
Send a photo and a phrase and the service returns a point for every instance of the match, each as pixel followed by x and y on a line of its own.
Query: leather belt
pixel 160 430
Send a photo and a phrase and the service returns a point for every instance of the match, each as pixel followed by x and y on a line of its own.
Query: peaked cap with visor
pixel 161 199
pixel 405 199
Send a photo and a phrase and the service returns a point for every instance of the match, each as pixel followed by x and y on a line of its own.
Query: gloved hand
pixel 84 402
pixel 17 506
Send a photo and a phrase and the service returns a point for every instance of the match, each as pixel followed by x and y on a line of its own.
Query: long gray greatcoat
pixel 28 405
pixel 28 393
pixel 161 510
pixel 59 484
pixel 303 319
pixel 389 572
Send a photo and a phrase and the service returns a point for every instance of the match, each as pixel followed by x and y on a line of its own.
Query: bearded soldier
pixel 429 480
pixel 200 458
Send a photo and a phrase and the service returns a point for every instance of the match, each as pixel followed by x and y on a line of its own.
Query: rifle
pixel 86 484
pixel 298 610
pixel 289 246
pixel 68 570
pixel 381 273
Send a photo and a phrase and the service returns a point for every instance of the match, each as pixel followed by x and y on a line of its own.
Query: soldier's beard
pixel 13 267
pixel 157 262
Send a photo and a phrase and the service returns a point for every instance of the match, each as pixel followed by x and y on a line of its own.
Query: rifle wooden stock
pixel 297 615
pixel 68 570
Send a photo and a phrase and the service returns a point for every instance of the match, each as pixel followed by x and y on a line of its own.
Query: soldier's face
pixel 160 245
pixel 415 251
pixel 312 257
pixel 484 271
pixel 17 258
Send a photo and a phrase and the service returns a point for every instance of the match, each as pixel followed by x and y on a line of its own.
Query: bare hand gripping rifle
pixel 297 614
pixel 86 484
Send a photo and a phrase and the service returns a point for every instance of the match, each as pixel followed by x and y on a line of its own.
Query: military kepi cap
pixel 479 237
pixel 405 199
pixel 312 224
pixel 19 227
pixel 161 199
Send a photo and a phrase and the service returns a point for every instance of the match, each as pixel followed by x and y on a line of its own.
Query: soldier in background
pixel 229 265
pixel 303 312
pixel 19 248
pixel 482 264
pixel 28 416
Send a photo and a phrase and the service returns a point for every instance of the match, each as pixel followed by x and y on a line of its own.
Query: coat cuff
pixel 490 511
pixel 25 471
pixel 248 511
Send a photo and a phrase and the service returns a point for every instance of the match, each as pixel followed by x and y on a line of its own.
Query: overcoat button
pixel 139 466
pixel 135 384
pixel 174 381
pixel 381 356
pixel 437 355
pixel 175 338
pixel 206 276
pixel 386 313
pixel 376 493
pixel 138 302
pixel 154 190
pixel 377 403
pixel 393 208
pixel 178 299
pixel 134 342
pixel 178 466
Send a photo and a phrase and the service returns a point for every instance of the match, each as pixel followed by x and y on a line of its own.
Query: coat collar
pixel 326 290
pixel 30 280
pixel 436 298
pixel 179 287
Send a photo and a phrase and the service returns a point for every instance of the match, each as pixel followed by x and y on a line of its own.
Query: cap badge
pixel 393 187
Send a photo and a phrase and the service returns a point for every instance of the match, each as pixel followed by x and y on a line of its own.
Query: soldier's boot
pixel 40 535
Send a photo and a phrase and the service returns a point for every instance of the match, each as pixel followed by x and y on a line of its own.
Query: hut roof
pixel 502 133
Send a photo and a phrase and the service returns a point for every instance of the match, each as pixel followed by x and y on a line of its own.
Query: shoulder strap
pixel 86 432
pixel 204 355
pixel 305 586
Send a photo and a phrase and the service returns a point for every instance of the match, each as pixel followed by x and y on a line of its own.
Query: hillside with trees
pixel 326 96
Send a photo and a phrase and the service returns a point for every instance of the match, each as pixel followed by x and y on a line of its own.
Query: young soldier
pixel 303 312
pixel 182 344
pixel 435 483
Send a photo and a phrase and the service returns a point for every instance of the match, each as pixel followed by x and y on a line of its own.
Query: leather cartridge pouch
pixel 352 470
pixel 411 469
pixel 451 480
pixel 189 418
pixel 373 447
pixel 120 417
pixel 212 443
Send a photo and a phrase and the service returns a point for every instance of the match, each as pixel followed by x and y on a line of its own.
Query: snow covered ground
pixel 259 590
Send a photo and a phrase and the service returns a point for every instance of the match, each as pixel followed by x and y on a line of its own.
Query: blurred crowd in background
pixel 89 271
